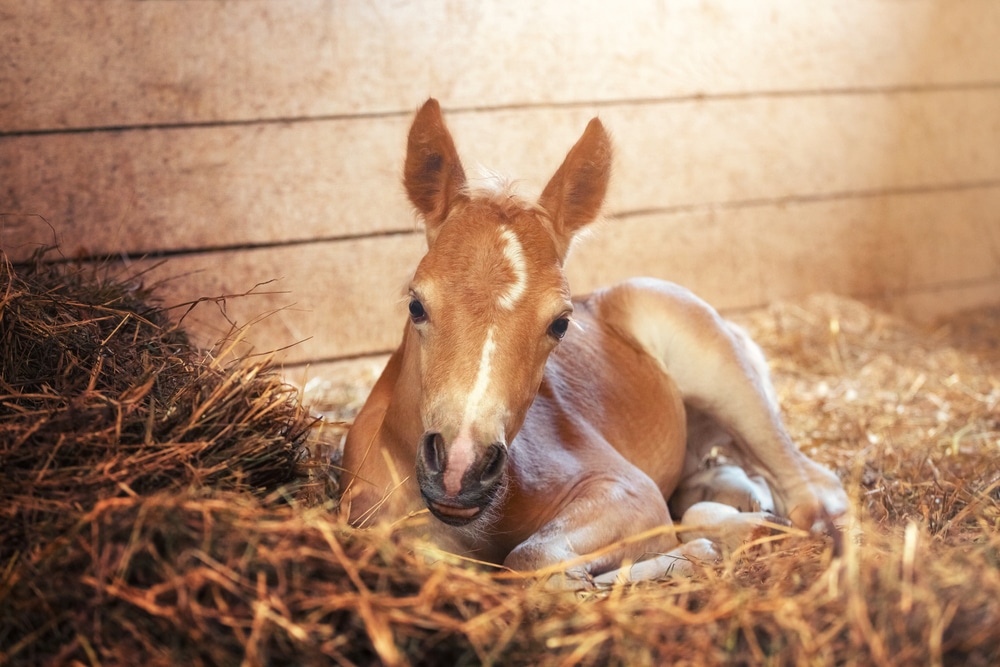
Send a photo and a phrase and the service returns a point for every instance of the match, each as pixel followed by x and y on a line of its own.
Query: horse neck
pixel 402 424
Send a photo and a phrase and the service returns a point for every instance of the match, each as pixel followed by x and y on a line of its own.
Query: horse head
pixel 487 305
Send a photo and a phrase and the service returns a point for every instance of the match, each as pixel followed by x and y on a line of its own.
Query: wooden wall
pixel 765 149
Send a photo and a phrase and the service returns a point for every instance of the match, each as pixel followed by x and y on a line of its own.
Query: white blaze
pixel 462 453
pixel 513 252
pixel 482 381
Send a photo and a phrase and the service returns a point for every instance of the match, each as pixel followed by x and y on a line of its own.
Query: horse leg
pixel 728 526
pixel 727 484
pixel 592 542
pixel 721 373
pixel 713 472
pixel 707 527
pixel 682 561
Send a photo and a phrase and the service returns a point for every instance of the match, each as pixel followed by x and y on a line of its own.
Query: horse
pixel 539 428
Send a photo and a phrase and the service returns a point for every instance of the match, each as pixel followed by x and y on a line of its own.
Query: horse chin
pixel 453 515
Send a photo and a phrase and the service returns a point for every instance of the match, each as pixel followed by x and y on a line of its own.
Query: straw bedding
pixel 162 507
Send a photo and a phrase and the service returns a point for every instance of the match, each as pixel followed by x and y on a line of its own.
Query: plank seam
pixel 850 91
pixel 878 295
pixel 683 209
pixel 797 199
pixel 135 256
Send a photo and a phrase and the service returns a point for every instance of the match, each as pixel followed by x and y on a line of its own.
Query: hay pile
pixel 134 534
pixel 103 400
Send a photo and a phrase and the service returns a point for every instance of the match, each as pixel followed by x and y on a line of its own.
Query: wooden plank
pixel 187 188
pixel 927 306
pixel 346 297
pixel 170 189
pixel 704 152
pixel 322 299
pixel 749 256
pixel 95 63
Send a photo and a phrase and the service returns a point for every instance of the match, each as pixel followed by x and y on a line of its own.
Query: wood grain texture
pixel 764 149
pixel 344 299
pixel 188 188
pixel 323 299
pixel 95 63
pixel 935 304
pixel 869 247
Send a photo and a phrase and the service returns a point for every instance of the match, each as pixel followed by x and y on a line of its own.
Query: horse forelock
pixel 501 193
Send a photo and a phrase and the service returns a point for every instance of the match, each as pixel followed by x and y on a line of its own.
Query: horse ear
pixel 433 174
pixel 574 196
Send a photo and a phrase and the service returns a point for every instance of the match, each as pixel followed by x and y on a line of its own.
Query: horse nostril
pixel 497 457
pixel 432 451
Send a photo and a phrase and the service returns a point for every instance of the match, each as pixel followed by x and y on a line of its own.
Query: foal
pixel 538 428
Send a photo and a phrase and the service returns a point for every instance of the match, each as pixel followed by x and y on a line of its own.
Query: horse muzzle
pixel 458 486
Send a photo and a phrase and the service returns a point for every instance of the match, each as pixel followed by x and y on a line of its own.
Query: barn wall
pixel 764 150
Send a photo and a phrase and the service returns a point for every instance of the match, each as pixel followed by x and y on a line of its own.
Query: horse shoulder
pixel 374 476
pixel 621 392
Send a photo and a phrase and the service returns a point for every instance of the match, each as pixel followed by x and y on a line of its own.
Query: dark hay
pixel 135 535
pixel 101 397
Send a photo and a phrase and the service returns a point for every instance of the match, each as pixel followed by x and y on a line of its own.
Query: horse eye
pixel 417 312
pixel 558 328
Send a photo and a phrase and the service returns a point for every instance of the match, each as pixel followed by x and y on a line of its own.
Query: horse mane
pixel 501 193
